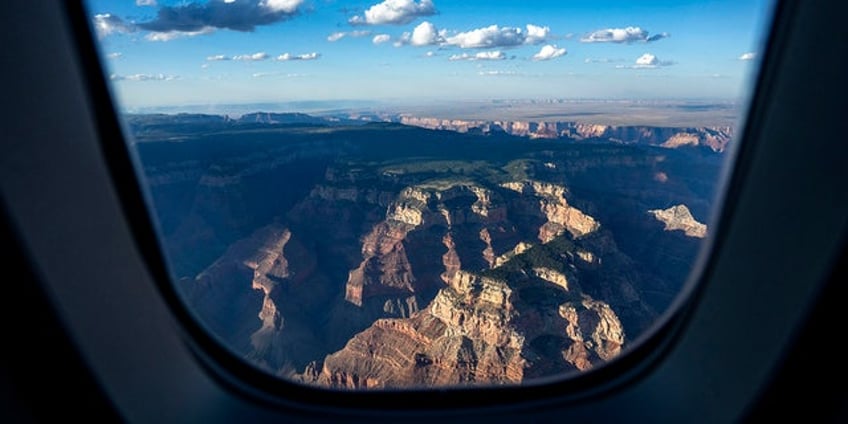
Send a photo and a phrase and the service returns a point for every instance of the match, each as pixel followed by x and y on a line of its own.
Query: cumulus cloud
pixel 548 52
pixel 336 36
pixel 143 77
pixel 647 61
pixel 237 15
pixel 106 24
pixel 536 34
pixel 495 37
pixel 145 2
pixel 622 35
pixel 425 34
pixel 395 12
pixel 285 57
pixel 381 38
pixel 115 55
pixel 490 55
pixel 255 57
pixel 260 56
pixel 748 56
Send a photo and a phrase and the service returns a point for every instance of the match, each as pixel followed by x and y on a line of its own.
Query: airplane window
pixel 430 193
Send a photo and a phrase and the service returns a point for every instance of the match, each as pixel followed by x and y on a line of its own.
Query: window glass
pixel 430 193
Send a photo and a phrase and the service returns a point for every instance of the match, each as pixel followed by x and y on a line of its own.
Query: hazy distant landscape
pixel 662 113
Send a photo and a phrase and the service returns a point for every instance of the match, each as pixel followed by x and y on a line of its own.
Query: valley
pixel 365 255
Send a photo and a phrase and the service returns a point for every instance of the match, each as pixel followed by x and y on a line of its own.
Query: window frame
pixel 219 378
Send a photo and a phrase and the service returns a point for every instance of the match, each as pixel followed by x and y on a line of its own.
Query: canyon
pixel 354 255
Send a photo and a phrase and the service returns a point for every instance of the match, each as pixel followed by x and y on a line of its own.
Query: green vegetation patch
pixel 550 255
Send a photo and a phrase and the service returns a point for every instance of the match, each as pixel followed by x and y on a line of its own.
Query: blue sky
pixel 170 53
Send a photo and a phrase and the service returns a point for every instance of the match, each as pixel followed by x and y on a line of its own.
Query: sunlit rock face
pixel 679 218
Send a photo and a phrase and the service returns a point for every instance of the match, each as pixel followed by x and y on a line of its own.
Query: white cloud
pixel 106 24
pixel 548 52
pixel 491 55
pixel 285 6
pixel 748 56
pixel 255 57
pixel 430 54
pixel 143 77
pixel 647 61
pixel 260 56
pixel 536 34
pixel 115 55
pixel 336 36
pixel 285 57
pixel 494 36
pixel 395 12
pixel 622 35
pixel 381 38
pixel 173 35
pixel 425 34
pixel 145 2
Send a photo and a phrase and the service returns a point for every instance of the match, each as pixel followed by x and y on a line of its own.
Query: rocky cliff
pixel 715 138
pixel 478 330
pixel 243 297
pixel 679 218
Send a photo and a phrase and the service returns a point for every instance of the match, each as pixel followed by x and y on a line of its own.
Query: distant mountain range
pixel 715 138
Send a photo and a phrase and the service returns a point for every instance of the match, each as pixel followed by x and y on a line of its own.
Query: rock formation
pixel 715 138
pixel 679 218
